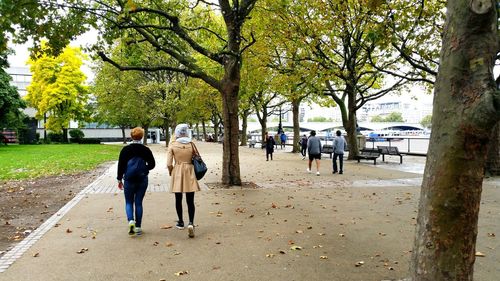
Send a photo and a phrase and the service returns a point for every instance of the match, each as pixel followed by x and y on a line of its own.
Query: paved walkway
pixel 285 225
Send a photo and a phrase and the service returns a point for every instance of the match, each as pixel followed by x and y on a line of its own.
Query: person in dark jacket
pixel 134 188
pixel 303 146
pixel 270 143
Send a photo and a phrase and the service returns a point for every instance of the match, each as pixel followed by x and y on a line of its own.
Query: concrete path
pixel 285 224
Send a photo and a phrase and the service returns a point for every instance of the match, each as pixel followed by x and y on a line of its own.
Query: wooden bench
pixel 327 149
pixel 368 154
pixel 390 150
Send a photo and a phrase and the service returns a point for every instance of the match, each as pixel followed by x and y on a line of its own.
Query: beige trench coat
pixel 182 174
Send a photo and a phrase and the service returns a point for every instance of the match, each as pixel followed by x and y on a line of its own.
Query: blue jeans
pixel 134 193
pixel 341 162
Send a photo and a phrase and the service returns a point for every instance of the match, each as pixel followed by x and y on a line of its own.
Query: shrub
pixel 76 135
pixel 55 137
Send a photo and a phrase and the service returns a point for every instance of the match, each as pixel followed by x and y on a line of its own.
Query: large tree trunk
pixel 204 129
pixel 493 162
pixel 296 126
pixel 350 125
pixel 230 88
pixel 464 113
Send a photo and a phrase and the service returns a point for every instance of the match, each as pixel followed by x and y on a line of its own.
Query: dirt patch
pixel 26 204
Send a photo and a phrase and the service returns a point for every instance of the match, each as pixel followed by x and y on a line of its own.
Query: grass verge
pixel 34 161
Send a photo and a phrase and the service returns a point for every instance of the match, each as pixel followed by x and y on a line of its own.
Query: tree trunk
pixel 464 113
pixel 124 137
pixel 493 162
pixel 244 126
pixel 230 161
pixel 296 126
pixel 145 137
pixel 204 129
pixel 350 126
pixel 65 135
pixel 263 126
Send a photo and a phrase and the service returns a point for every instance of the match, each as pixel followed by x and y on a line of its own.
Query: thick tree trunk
pixel 350 127
pixel 464 113
pixel 263 126
pixel 145 137
pixel 230 161
pixel 296 126
pixel 493 162
pixel 65 135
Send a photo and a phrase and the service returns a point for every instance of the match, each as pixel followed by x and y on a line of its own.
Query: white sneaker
pixel 131 227
pixel 308 170
pixel 138 231
pixel 190 230
pixel 317 173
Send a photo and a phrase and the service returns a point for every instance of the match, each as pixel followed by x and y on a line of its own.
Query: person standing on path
pixel 314 151
pixel 283 140
pixel 339 146
pixel 270 143
pixel 134 163
pixel 303 146
pixel 183 178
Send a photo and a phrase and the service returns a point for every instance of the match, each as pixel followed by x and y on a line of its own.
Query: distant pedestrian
pixel 153 137
pixel 134 164
pixel 303 146
pixel 183 178
pixel 270 143
pixel 277 140
pixel 314 151
pixel 283 140
pixel 339 146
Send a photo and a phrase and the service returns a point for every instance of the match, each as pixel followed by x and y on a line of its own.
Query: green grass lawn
pixel 34 161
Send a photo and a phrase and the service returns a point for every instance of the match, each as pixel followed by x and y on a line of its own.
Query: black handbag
pixel 200 168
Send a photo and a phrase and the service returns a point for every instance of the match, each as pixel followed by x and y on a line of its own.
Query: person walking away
pixel 270 143
pixel 314 151
pixel 153 137
pixel 303 146
pixel 134 163
pixel 183 178
pixel 283 140
pixel 339 146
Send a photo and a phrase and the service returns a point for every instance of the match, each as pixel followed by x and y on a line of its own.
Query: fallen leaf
pixel 82 250
pixel 299 231
pixel 295 248
pixel 156 243
pixel 83 236
pixel 321 234
pixel 270 255
pixel 36 255
pixel 479 254
pixel 274 205
pixel 341 234
pixel 110 209
pixel 216 267
pixel 69 230
pixel 169 244
pixel 180 273
pixel 491 234
pixel 323 257
pixel 359 263
pixel 282 252
pixel 166 226
pixel 319 246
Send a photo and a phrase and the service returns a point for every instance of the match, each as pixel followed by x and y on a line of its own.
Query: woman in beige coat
pixel 183 178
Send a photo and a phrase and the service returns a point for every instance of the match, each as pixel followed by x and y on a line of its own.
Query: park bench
pixel 390 150
pixel 327 149
pixel 368 154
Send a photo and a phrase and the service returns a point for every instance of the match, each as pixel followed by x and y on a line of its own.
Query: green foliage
pixel 392 117
pixel 55 137
pixel 320 119
pixel 76 135
pixel 57 88
pixel 426 122
pixel 35 161
pixel 11 103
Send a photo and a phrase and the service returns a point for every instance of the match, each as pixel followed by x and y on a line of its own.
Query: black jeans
pixel 341 162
